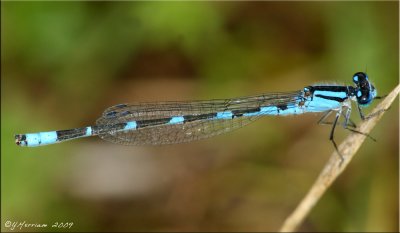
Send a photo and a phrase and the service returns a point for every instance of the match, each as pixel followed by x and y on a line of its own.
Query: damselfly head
pixel 365 92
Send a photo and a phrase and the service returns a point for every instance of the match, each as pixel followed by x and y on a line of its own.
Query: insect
pixel 156 123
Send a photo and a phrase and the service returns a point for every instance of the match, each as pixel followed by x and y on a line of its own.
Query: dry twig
pixel 332 169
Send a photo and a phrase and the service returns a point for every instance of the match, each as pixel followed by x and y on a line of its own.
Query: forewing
pixel 183 132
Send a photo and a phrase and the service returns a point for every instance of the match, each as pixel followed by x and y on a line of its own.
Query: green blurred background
pixel 63 63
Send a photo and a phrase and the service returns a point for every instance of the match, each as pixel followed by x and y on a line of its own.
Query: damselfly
pixel 156 123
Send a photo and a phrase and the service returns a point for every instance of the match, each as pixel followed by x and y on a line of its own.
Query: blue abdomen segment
pixel 36 139
pixel 176 120
pixel 130 125
pixel 51 137
pixel 278 110
pixel 224 115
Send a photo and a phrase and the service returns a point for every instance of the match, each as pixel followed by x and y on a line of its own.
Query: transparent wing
pixel 184 132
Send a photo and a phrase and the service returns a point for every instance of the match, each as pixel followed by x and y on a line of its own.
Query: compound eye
pixel 364 99
pixel 359 77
